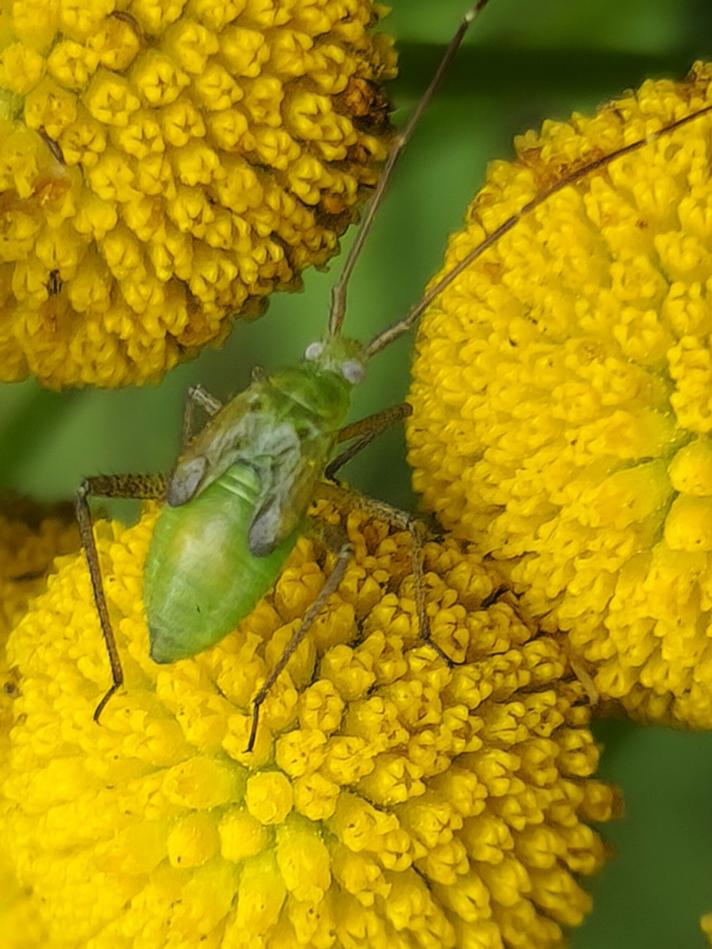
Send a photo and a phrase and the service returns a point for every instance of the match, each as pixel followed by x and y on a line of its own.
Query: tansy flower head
pixel 30 537
pixel 391 800
pixel 167 165
pixel 562 407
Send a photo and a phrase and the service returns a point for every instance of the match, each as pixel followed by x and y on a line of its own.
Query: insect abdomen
pixel 200 579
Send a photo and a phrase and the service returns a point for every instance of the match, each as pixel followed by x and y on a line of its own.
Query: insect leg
pixel 418 533
pixel 364 431
pixel 197 397
pixel 330 585
pixel 109 486
pixel 345 498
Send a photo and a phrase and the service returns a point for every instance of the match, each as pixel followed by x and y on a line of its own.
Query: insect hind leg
pixel 139 487
pixel 330 584
pixel 418 533
pixel 345 498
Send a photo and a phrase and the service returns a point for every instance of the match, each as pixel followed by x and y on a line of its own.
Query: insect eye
pixel 353 371
pixel 313 351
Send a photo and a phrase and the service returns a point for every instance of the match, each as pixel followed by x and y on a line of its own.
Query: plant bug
pixel 238 495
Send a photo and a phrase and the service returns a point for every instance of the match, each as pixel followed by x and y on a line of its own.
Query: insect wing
pixel 217 446
pixel 290 484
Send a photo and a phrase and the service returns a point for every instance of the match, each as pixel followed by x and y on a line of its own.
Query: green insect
pixel 237 498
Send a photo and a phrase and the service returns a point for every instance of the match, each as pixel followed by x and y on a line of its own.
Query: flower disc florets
pixel 165 165
pixel 31 536
pixel 563 395
pixel 391 800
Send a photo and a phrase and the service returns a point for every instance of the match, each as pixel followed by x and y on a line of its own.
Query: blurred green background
pixel 523 61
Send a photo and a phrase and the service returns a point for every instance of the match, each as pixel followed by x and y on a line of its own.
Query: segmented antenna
pixel 338 293
pixel 385 337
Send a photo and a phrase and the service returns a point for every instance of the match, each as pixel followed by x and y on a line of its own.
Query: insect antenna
pixel 392 332
pixel 338 293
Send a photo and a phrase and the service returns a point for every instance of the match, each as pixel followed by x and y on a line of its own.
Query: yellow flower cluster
pixel 165 166
pixel 30 538
pixel 391 800
pixel 563 395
